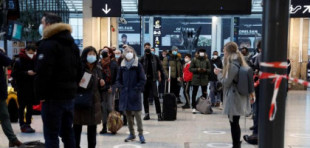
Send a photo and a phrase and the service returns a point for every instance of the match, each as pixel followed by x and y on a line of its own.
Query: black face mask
pixel 148 51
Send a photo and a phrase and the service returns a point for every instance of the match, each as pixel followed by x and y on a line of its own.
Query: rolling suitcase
pixel 169 104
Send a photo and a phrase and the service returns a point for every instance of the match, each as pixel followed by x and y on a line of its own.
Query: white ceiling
pixel 131 6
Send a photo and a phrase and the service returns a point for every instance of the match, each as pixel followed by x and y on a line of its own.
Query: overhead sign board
pixel 300 8
pixel 106 8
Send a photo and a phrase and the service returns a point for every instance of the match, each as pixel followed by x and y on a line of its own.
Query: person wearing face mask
pixel 89 116
pixel 201 69
pixel 58 73
pixel 214 94
pixel 109 73
pixel 153 70
pixel 131 80
pixel 118 54
pixel 174 61
pixel 187 78
pixel 23 74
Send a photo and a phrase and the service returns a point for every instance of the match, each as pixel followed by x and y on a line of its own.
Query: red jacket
pixel 187 75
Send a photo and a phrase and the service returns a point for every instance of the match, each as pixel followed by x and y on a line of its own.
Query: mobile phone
pixel 215 65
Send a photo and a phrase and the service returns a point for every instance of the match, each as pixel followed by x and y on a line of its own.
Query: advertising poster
pixel 250 32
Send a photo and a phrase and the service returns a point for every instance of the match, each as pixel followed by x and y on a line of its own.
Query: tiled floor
pixel 195 131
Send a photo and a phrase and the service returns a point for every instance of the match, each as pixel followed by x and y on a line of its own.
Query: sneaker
pixel 186 106
pixel 142 140
pixel 147 117
pixel 194 111
pixel 104 130
pixel 221 106
pixel 253 139
pixel 27 129
pixel 130 138
pixel 180 102
pixel 15 143
pixel 160 117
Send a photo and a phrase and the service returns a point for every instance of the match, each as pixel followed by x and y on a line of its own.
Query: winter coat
pixel 187 74
pixel 176 66
pixel 234 103
pixel 58 65
pixel 200 78
pixel 156 66
pixel 24 82
pixel 4 62
pixel 219 64
pixel 93 115
pixel 131 83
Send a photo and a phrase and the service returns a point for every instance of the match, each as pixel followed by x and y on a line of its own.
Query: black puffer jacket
pixel 4 62
pixel 58 64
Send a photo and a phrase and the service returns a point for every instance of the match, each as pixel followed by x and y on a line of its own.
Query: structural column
pixel 275 39
pixel 98 31
pixel 298 50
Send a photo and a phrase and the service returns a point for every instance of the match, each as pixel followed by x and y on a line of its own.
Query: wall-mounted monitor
pixel 194 7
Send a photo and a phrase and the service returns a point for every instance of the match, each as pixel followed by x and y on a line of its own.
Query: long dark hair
pixel 85 53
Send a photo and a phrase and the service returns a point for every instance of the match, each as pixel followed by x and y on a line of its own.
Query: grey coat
pixel 234 103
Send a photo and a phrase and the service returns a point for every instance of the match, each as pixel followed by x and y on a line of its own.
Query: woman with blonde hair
pixel 235 104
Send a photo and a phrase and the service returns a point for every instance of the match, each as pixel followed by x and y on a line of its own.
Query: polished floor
pixel 195 130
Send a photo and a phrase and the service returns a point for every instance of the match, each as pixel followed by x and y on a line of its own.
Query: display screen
pixel 194 7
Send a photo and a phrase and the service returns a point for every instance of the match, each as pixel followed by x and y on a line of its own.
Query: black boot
pixel 253 139
pixel 124 120
pixel 104 129
pixel 147 116
pixel 238 145
pixel 160 117
pixel 186 106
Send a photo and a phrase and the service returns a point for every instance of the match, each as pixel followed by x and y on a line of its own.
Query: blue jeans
pixel 214 95
pixel 57 119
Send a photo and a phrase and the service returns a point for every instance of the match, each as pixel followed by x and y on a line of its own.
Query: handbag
pixel 83 100
pixel 204 105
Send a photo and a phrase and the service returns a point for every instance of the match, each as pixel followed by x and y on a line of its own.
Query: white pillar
pixel 216 34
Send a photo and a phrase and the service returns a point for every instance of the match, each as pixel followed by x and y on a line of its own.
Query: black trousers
pixel 175 87
pixel 150 90
pixel 21 112
pixel 91 135
pixel 186 92
pixel 235 131
pixel 195 90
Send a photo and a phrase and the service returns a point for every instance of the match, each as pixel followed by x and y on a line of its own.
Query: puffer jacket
pixel 176 66
pixel 200 78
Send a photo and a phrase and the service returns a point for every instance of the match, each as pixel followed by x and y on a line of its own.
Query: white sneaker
pixel 194 111
pixel 221 106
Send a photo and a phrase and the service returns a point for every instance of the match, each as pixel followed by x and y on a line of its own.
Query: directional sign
pixel 300 8
pixel 106 8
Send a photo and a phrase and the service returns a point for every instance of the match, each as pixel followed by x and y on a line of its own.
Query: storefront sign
pixel 157 32
pixel 300 8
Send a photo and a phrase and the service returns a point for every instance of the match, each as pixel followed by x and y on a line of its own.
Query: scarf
pixel 129 63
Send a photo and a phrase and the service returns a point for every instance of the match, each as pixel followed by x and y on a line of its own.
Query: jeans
pixel 150 90
pixel 195 90
pixel 186 92
pixel 130 117
pixel 214 95
pixel 5 121
pixel 91 135
pixel 21 112
pixel 235 131
pixel 57 119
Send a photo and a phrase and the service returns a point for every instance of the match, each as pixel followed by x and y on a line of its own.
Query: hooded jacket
pixel 24 82
pixel 58 65
pixel 200 78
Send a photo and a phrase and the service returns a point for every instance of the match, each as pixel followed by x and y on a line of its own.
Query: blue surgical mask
pixel 117 56
pixel 91 59
pixel 174 52
pixel 41 30
pixel 153 52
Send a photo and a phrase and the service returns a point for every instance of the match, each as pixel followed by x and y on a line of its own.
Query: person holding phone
pixel 215 95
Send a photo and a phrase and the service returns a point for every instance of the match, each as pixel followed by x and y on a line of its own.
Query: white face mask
pixel 41 29
pixel 215 57
pixel 129 56
pixel 201 54
pixel 30 55
pixel 186 60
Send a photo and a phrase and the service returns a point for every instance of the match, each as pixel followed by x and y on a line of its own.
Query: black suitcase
pixel 169 105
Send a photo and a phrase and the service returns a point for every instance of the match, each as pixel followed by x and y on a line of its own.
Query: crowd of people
pixel 53 72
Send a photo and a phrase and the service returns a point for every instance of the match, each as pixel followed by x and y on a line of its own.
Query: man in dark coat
pixel 215 61
pixel 58 74
pixel 24 74
pixel 153 70
pixel 4 113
